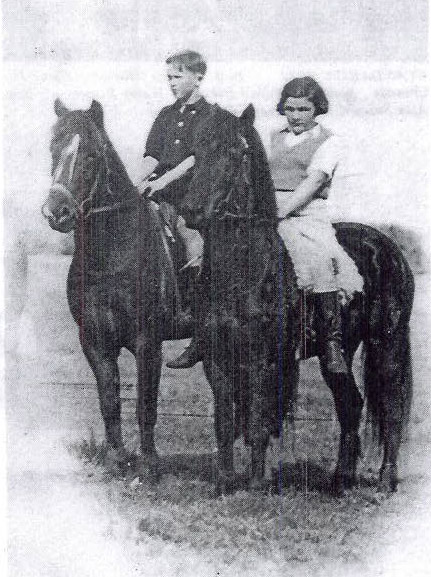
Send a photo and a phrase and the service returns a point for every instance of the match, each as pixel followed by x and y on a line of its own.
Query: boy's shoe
pixel 188 358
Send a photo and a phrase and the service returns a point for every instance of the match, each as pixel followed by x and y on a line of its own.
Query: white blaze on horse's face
pixel 243 141
pixel 67 162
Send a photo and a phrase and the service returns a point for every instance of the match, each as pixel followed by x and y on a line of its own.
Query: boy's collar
pixel 312 133
pixel 197 105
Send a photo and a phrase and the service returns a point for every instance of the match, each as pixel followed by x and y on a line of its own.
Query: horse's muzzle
pixel 60 216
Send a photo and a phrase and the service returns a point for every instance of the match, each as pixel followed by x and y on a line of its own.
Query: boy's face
pixel 182 81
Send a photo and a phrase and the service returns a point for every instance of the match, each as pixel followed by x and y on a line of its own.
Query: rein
pixel 94 187
pixel 241 217
pixel 109 208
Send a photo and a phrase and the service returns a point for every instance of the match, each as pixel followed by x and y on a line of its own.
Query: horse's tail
pixel 388 375
pixel 388 389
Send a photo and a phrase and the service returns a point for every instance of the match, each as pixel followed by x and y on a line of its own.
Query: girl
pixel 303 161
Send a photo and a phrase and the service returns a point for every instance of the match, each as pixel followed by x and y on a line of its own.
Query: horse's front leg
pixel 103 363
pixel 261 381
pixel 222 387
pixel 149 363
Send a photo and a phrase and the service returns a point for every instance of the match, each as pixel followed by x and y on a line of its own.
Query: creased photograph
pixel 216 288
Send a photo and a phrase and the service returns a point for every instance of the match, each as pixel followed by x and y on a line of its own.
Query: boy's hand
pixel 154 186
pixel 148 188
pixel 143 187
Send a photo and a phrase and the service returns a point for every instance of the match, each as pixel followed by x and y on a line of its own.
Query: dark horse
pixel 121 292
pixel 121 284
pixel 251 318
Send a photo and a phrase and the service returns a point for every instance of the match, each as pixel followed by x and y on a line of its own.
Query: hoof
pixel 344 477
pixel 225 484
pixel 260 485
pixel 336 488
pixel 149 468
pixel 117 461
pixel 388 481
pixel 341 482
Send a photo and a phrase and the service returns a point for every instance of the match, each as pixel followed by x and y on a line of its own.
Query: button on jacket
pixel 170 140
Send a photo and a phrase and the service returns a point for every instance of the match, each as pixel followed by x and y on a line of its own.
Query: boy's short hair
pixel 191 60
pixel 305 87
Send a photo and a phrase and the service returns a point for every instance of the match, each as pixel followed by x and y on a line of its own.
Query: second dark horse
pixel 252 322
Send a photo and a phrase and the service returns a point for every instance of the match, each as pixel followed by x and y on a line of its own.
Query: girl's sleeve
pixel 327 156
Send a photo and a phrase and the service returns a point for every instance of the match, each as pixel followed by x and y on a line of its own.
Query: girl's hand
pixel 286 216
pixel 154 186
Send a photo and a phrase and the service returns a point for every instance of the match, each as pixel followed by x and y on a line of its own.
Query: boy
pixel 169 159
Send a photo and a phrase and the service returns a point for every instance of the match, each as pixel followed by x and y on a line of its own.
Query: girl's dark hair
pixel 305 87
pixel 191 60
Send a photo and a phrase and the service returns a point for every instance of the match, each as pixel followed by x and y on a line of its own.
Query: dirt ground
pixel 68 517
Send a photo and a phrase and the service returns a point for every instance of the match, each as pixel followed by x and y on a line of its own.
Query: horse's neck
pixel 113 242
pixel 118 186
pixel 265 205
pixel 110 236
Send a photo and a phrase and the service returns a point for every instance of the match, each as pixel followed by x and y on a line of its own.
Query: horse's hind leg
pixel 391 403
pixel 260 428
pixel 149 364
pixel 348 405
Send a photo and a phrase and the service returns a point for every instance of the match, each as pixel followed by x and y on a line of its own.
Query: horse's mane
pixel 265 200
pixel 220 130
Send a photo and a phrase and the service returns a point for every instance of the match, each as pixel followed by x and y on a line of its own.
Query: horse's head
pixel 228 154
pixel 78 164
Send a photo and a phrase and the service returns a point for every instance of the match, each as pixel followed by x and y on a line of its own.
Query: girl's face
pixel 182 81
pixel 300 113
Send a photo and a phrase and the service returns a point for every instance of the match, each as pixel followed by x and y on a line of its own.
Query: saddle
pixel 168 217
pixel 179 315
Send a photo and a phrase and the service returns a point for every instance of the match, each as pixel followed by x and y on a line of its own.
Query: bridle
pixel 80 208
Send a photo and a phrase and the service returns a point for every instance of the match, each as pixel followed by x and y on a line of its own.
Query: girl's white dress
pixel 320 262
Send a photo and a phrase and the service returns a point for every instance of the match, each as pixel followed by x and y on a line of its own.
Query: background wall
pixel 371 60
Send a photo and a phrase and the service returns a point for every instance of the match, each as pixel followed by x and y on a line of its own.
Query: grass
pixel 302 526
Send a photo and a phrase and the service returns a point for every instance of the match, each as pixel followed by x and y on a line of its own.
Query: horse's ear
pixel 59 108
pixel 214 109
pixel 249 115
pixel 96 112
